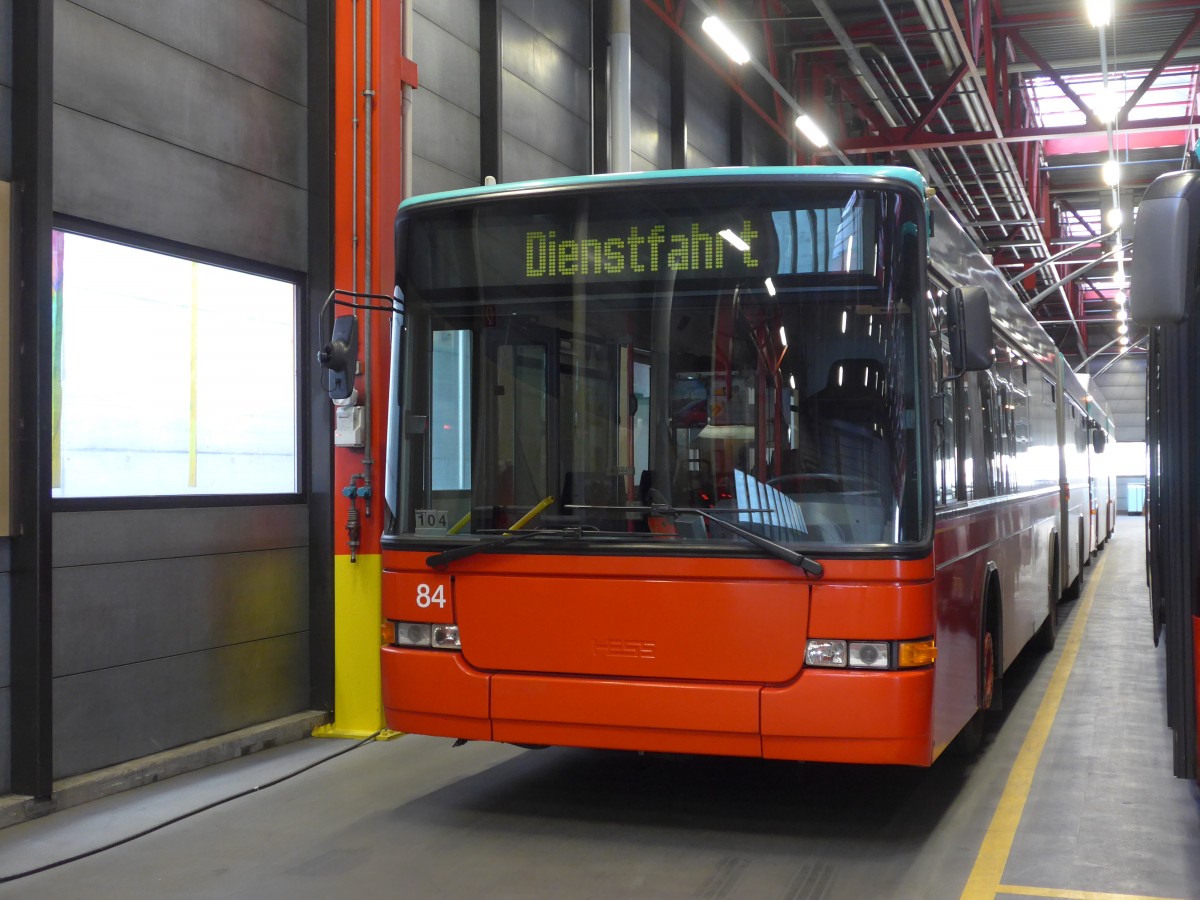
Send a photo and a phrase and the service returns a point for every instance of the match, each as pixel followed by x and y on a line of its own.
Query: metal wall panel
pixel 297 9
pixel 5 614
pixel 123 613
pixel 1124 387
pixel 111 715
pixel 95 538
pixel 559 72
pixel 5 666
pixel 173 625
pixel 116 176
pixel 541 139
pixel 6 94
pixel 262 43
pixel 546 89
pixel 5 129
pixel 457 17
pixel 762 145
pixel 114 73
pixel 446 107
pixel 650 91
pixel 429 177
pixel 707 117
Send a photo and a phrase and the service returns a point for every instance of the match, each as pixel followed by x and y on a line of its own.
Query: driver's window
pixel 946 463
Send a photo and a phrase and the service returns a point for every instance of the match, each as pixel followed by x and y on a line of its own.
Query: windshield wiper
pixel 455 553
pixel 811 566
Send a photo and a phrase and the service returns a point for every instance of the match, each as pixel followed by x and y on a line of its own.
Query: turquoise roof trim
pixel 733 173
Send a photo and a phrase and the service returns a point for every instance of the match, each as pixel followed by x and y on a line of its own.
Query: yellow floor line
pixel 1052 894
pixel 988 871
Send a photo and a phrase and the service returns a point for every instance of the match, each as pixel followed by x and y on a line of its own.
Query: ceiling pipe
pixel 620 79
pixel 1136 345
pixel 1071 277
pixel 875 91
pixel 779 89
pixel 916 69
pixel 938 19
pixel 896 83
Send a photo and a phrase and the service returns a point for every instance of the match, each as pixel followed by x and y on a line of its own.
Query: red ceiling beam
pixel 721 70
pixel 1159 66
pixel 897 139
pixel 936 103
pixel 1048 70
pixel 1078 16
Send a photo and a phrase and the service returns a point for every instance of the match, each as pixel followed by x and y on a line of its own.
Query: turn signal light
pixel 915 654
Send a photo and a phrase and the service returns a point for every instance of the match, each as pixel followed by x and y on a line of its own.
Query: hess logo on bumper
pixel 624 649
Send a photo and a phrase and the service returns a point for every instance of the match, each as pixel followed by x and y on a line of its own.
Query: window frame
pixel 299 281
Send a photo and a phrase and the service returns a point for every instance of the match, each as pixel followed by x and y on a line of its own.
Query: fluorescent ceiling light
pixel 1111 171
pixel 1105 103
pixel 770 285
pixel 812 130
pixel 1114 217
pixel 734 240
pixel 1099 12
pixel 726 40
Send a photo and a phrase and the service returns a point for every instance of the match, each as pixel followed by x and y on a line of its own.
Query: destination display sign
pixel 640 249
pixel 649 237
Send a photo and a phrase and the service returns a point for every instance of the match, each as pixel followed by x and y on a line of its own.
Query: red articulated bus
pixel 1163 295
pixel 757 462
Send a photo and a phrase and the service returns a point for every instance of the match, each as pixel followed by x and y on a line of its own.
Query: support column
pixel 32 606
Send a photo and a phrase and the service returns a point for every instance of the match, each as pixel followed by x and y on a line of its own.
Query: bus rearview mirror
pixel 970 318
pixel 339 358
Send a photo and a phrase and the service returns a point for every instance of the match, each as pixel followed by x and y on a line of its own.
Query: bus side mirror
pixel 970 317
pixel 339 358
pixel 1099 440
pixel 1164 253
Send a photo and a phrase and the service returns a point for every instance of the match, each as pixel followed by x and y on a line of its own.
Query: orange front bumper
pixel 833 716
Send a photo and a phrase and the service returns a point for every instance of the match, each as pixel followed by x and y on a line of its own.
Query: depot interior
pixel 169 224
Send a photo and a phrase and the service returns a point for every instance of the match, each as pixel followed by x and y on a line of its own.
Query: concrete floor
pixel 1102 818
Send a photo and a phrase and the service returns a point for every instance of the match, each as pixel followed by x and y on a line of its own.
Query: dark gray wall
pixel 5 668
pixel 546 99
pixel 546 56
pixel 5 578
pixel 1124 387
pixel 446 106
pixel 5 90
pixel 185 119
pixel 175 625
pixel 707 117
pixel 650 91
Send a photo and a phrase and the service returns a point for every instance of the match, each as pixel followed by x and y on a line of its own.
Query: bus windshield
pixel 608 362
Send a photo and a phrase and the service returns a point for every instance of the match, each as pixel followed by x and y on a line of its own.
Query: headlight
pixel 830 654
pixel 869 655
pixel 422 634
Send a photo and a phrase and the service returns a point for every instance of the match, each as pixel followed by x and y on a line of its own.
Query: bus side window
pixel 946 415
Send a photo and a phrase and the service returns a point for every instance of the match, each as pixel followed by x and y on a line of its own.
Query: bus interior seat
pixel 846 412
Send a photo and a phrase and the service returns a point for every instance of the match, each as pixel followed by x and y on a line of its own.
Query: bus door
pixel 519 398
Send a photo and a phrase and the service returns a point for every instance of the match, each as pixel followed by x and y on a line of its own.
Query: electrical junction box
pixel 348 426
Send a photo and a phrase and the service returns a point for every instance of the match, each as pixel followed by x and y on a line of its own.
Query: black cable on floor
pixel 4 879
